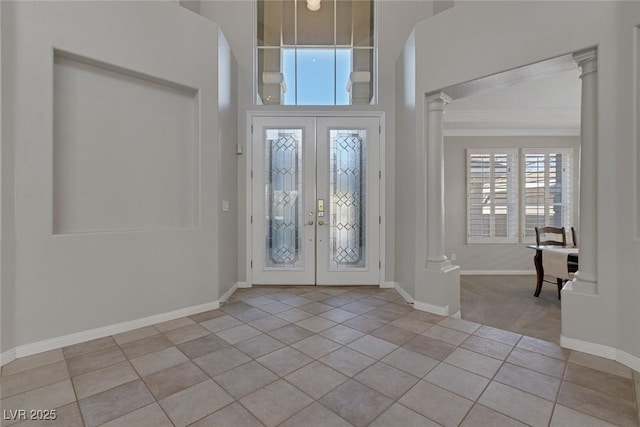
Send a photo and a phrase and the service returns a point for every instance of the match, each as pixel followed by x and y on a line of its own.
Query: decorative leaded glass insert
pixel 283 198
pixel 347 197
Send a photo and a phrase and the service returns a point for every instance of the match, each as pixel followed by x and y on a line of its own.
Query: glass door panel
pixel 348 238
pixel 315 201
pixel 283 242
pixel 347 199
pixel 283 198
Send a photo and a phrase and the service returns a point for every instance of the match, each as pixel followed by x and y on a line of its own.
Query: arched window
pixel 315 52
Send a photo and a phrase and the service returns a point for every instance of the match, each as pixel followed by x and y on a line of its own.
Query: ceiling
pixel 541 106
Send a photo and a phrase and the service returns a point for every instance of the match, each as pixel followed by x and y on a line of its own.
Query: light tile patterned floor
pixel 318 356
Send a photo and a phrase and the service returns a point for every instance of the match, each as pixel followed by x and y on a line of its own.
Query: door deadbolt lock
pixel 320 207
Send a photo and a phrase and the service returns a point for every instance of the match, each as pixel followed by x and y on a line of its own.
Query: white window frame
pixel 373 72
pixel 567 190
pixel 514 196
pixel 519 192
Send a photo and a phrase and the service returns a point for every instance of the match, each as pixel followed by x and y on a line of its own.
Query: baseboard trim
pixel 588 347
pixel 388 285
pixel 91 334
pixel 404 294
pixel 243 284
pixel 228 294
pixel 497 272
pixel 430 308
pixel 629 360
pixel 457 315
pixel 7 356
pixel 605 351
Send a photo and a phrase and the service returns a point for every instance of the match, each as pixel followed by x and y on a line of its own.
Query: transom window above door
pixel 315 52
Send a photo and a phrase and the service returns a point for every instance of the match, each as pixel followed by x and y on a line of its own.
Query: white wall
pixel 6 219
pixel 497 257
pixel 450 53
pixel 7 212
pixel 154 123
pixel 395 19
pixel 406 156
pixel 65 283
pixel 236 21
pixel 227 166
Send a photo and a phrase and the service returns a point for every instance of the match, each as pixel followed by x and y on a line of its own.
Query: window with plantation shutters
pixel 492 196
pixel 547 193
pixel 511 191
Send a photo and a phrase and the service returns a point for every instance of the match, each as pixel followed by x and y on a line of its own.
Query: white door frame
pixel 248 153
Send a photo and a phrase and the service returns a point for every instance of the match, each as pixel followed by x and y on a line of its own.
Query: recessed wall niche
pixel 125 150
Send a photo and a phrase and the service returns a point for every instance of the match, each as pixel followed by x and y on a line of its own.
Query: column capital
pixel 587 61
pixel 437 101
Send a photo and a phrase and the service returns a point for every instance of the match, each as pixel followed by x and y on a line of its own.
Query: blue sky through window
pixel 321 78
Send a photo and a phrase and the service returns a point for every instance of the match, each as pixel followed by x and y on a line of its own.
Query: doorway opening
pixel 512 150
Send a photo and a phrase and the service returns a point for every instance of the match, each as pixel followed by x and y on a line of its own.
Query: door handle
pixel 310 223
pixel 320 222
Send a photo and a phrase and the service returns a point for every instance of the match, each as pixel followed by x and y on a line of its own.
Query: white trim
pixel 588 347
pixel 315 113
pixel 569 131
pixel 228 294
pixel 457 315
pixel 404 294
pixel 515 115
pixel 7 356
pixel 78 337
pixel 382 230
pixel 605 351
pixel 248 196
pixel 388 285
pixel 628 360
pixel 430 308
pixel 511 122
pixel 497 272
pixel 568 188
pixel 512 193
pixel 636 132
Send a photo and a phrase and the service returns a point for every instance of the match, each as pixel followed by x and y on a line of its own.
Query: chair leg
pixel 560 283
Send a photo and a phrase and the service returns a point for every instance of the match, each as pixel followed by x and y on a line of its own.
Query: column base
pixel 579 284
pixel 438 265
pixel 439 292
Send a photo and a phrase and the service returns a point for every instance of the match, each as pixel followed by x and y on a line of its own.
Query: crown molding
pixel 530 121
pixel 494 131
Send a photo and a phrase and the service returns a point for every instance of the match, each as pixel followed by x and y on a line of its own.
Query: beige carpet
pixel 507 302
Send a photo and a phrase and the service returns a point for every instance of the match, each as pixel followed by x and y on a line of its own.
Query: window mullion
pixel 547 188
pixel 522 196
pixel 492 199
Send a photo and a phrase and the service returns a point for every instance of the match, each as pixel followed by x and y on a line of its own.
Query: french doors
pixel 315 200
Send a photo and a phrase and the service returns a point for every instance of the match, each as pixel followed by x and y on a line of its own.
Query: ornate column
pixel 438 287
pixel 436 259
pixel 586 278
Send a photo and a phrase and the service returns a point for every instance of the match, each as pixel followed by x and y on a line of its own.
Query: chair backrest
pixel 574 236
pixel 542 237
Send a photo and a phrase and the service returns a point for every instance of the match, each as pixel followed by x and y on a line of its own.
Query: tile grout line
pixel 376 360
pixel 75 392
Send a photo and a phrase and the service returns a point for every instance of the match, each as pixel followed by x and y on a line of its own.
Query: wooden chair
pixel 548 233
pixel 574 236
pixel 543 232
